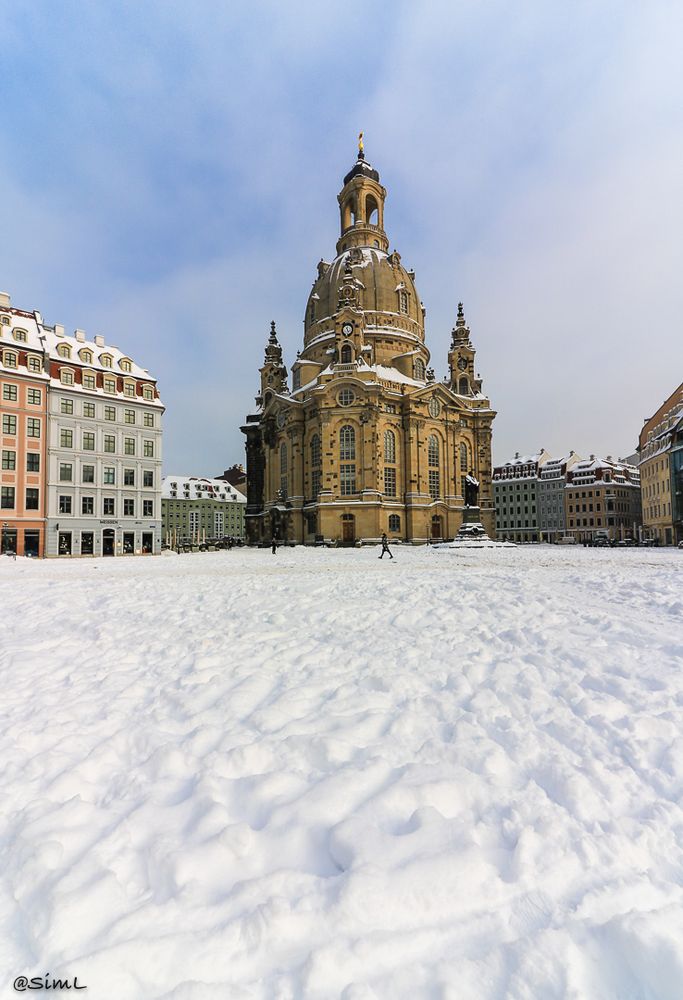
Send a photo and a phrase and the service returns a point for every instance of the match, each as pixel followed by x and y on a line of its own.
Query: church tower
pixel 366 440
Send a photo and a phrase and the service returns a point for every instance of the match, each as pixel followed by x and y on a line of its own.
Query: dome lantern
pixel 361 206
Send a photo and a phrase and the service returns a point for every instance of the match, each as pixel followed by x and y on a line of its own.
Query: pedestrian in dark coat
pixel 385 546
pixel 273 545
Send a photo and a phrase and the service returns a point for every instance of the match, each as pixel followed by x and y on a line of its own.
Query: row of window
pixel 658 510
pixel 88 409
pixel 9 425
pixel 66 440
pixel 87 357
pixel 64 547
pixel 66 504
pixel 10 394
pixel 9 461
pixel 10 359
pixel 653 488
pixel 347 449
pixel 89 381
pixel 66 475
pixel 347 454
pixel 8 498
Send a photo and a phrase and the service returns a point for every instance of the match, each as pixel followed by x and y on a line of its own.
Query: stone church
pixel 365 440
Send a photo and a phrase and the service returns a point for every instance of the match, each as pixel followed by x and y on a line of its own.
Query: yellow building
pixel 366 440
pixel 654 452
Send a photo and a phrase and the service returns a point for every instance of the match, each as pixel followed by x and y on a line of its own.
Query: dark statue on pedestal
pixel 471 490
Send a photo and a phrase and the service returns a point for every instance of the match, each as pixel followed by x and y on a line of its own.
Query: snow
pixel 198 488
pixel 320 775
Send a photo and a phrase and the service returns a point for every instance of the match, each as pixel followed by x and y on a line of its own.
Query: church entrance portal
pixel 348 529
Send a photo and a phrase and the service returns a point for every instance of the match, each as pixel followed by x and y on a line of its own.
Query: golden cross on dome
pixel 360 142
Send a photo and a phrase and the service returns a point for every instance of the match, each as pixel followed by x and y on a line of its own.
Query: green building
pixel 197 511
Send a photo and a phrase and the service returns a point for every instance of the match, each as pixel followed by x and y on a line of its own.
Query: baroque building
pixel 366 440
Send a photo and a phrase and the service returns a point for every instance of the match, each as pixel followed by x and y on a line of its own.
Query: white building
pixel 104 450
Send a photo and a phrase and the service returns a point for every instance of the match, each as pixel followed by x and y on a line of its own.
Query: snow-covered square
pixel 237 775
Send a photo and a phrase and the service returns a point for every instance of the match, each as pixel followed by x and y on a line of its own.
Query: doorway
pixel 436 527
pixel 348 529
pixel 108 542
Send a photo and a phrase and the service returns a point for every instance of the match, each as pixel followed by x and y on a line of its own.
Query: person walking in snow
pixel 273 545
pixel 385 546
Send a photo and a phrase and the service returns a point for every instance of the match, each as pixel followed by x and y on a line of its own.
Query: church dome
pixel 372 280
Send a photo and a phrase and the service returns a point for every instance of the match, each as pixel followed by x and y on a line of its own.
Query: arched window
pixel 433 463
pixel 389 446
pixel 463 386
pixel 394 522
pixel 347 443
pixel 283 470
pixel 346 354
pixel 403 301
pixel 389 468
pixel 464 462
pixel 419 368
pixel 371 210
pixel 315 450
pixel 64 351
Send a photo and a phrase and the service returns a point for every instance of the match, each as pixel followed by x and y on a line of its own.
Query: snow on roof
pixel 197 488
pixel 54 339
pixel 394 375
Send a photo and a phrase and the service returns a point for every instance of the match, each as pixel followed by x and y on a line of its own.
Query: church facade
pixel 365 440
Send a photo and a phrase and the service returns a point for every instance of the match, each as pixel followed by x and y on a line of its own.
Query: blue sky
pixel 170 171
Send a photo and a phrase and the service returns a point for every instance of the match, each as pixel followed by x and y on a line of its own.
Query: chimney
pixel 5 301
pixel 609 458
pixel 59 330
pixel 592 458
pixel 80 336
pixel 99 340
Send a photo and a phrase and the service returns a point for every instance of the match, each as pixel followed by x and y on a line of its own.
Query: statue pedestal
pixel 471 528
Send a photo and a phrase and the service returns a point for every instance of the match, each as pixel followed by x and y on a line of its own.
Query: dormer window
pixel 106 360
pixel 86 356
pixel 20 335
pixel 125 365
pixel 66 376
pixel 128 388
pixel 34 363
pixel 147 392
pixel 64 351
pixel 10 359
